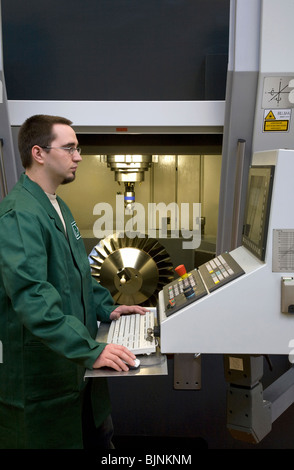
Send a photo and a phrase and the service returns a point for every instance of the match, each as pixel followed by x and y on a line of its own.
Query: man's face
pixel 61 165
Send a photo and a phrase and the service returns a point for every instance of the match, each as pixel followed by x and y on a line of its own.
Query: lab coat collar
pixel 42 198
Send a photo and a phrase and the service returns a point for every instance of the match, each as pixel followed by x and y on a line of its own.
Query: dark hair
pixel 37 130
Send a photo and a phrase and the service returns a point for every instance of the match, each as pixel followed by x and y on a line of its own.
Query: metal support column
pixel 250 409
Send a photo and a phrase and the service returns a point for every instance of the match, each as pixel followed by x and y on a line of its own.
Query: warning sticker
pixel 272 126
pixel 270 115
pixel 276 120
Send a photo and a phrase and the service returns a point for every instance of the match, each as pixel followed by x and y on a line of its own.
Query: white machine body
pixel 243 316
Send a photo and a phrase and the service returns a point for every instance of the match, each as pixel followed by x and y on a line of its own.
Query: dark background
pixel 115 49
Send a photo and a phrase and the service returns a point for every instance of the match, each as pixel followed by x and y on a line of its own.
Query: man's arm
pixel 36 303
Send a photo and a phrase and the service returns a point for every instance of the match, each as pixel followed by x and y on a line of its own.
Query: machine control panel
pixel 183 291
pixel 199 282
pixel 220 271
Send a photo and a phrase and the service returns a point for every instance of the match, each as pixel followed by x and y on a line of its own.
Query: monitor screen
pixel 257 209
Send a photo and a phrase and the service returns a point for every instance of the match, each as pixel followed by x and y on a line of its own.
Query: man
pixel 50 304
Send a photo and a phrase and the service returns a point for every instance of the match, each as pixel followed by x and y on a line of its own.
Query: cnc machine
pixel 241 302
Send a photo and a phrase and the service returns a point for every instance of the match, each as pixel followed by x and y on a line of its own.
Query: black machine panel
pixel 197 283
pixel 220 271
pixel 182 292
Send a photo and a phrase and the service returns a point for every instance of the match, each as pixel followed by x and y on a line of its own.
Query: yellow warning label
pixel 270 115
pixel 276 120
pixel 276 125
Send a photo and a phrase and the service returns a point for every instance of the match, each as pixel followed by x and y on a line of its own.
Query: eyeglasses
pixel 70 150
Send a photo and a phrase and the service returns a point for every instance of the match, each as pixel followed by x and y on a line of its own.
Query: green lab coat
pixel 49 306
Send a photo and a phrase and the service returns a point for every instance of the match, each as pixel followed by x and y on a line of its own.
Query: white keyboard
pixel 131 332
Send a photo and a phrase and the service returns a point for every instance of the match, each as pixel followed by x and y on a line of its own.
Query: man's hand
pixel 116 356
pixel 126 310
pixel 113 356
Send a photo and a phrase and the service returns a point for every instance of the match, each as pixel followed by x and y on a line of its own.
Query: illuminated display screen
pixel 258 209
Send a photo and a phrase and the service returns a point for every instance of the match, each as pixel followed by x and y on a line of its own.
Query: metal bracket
pixel 187 371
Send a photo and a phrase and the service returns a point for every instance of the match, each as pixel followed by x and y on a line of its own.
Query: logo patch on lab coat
pixel 76 230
